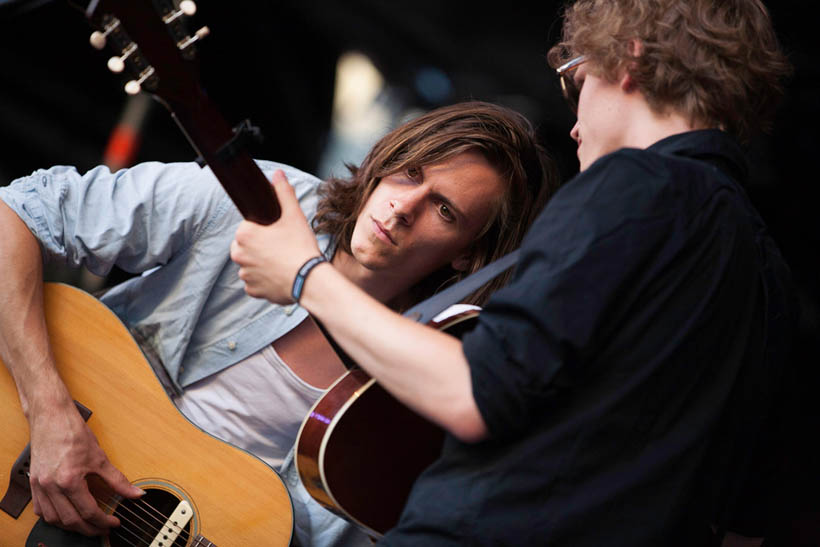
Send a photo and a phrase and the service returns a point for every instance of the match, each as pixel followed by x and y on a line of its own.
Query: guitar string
pixel 126 508
pixel 153 532
pixel 123 528
pixel 151 528
pixel 163 519
pixel 139 539
pixel 118 532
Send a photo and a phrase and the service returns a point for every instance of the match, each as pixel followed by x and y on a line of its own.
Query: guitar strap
pixel 427 309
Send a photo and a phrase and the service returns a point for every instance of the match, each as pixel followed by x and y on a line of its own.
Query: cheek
pixel 442 246
pixel 360 238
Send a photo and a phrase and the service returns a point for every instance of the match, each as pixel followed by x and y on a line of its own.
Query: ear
pixel 627 82
pixel 462 262
pixel 636 49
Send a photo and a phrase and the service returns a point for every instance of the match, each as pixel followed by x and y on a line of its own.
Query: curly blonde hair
pixel 716 62
pixel 504 137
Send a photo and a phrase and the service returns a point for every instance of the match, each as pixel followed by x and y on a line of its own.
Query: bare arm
pixel 424 368
pixel 64 450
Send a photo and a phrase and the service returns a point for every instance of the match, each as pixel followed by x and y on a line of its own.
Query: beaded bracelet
pixel 299 280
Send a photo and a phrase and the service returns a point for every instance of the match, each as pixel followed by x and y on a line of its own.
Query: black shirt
pixel 626 371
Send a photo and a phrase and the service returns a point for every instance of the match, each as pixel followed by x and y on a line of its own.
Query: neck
pixel 375 283
pixel 645 127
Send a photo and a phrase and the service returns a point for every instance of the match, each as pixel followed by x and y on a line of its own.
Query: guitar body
pixel 359 450
pixel 236 499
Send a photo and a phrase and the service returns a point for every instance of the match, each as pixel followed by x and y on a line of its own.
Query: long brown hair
pixel 717 62
pixel 504 137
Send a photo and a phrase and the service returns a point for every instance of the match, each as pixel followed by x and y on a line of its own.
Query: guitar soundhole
pixel 149 518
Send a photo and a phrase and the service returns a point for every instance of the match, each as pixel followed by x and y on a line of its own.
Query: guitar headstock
pixel 150 40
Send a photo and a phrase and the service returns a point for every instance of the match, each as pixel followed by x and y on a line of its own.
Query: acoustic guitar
pixel 200 491
pixel 359 450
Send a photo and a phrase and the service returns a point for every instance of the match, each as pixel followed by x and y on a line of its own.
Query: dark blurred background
pixel 279 64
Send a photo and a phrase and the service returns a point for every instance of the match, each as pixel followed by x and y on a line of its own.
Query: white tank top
pixel 257 404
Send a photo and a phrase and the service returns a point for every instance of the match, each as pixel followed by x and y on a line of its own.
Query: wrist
pixel 43 400
pixel 301 276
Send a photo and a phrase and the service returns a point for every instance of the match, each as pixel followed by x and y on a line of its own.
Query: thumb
pixel 118 482
pixel 284 192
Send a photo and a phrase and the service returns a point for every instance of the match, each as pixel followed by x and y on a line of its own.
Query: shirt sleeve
pixel 135 218
pixel 582 262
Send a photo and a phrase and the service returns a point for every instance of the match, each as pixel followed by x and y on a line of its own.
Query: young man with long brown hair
pixel 436 198
pixel 616 392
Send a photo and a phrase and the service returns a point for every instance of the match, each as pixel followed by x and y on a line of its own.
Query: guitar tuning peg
pixel 186 7
pixel 117 64
pixel 98 38
pixel 199 35
pixel 135 86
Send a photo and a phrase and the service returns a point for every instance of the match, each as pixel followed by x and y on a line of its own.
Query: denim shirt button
pixel 231 345
pixel 289 309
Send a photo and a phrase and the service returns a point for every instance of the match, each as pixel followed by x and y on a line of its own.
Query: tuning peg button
pixel 188 7
pixel 117 64
pixel 135 86
pixel 99 38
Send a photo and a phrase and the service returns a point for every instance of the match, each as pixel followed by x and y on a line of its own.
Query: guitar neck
pixel 222 150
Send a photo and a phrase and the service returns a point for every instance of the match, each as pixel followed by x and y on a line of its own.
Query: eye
pixel 446 212
pixel 413 173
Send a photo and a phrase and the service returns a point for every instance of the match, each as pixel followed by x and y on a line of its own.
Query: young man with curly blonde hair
pixel 617 391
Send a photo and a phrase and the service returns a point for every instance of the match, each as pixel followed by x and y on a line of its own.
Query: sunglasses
pixel 569 88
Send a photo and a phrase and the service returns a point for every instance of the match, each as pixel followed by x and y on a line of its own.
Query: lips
pixel 382 233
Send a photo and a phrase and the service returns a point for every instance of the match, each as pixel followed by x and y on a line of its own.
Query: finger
pixel 242 232
pixel 285 192
pixel 236 252
pixel 279 177
pixel 79 514
pixel 43 507
pixel 118 482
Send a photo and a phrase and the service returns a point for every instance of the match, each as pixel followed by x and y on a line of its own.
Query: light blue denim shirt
pixel 191 317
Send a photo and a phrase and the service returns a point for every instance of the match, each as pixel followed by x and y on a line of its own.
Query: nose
pixel 405 206
pixel 575 132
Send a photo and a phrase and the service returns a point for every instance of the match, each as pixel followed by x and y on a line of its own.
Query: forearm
pixel 24 347
pixel 422 367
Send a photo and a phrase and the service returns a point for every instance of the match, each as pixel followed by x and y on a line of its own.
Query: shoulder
pixel 302 181
pixel 635 183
